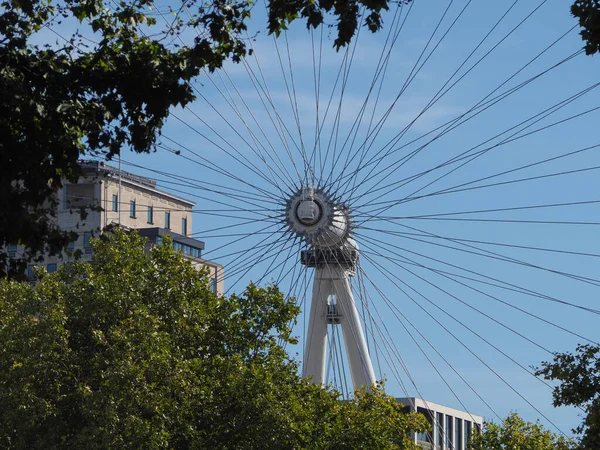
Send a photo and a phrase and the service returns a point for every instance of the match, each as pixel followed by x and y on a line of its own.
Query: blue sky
pixel 438 272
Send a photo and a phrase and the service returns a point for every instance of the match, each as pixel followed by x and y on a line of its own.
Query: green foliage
pixel 347 14
pixel 76 98
pixel 133 351
pixel 588 14
pixel 578 375
pixel 516 434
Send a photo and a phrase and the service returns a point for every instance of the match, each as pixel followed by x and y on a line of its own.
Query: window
pixel 87 244
pixel 213 285
pixel 184 226
pixel 167 219
pixel 30 273
pixel 115 202
pixel 458 442
pixel 12 249
pixel 449 434
pixel 440 430
pixel 426 436
pixel 51 268
pixel 71 245
pixel 467 432
pixel 150 214
pixel 132 208
pixel 79 195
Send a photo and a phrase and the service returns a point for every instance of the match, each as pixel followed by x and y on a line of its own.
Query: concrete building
pixel 133 202
pixel 451 428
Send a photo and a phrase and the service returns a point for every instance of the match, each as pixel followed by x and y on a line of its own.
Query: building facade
pixel 114 197
pixel 451 429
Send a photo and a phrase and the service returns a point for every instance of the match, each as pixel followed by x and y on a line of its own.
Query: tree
pixel 62 102
pixel 516 434
pixel 588 14
pixel 133 351
pixel 578 375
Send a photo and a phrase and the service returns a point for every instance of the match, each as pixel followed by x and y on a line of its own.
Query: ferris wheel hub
pixel 314 215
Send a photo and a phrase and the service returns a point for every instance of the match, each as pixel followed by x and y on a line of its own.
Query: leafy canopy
pixel 588 14
pixel 515 433
pixel 133 351
pixel 111 87
pixel 578 375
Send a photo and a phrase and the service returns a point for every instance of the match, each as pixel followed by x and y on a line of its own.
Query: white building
pixel 131 201
pixel 451 428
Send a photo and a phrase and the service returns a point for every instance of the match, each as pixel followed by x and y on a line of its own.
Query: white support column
pixel 316 335
pixel 333 280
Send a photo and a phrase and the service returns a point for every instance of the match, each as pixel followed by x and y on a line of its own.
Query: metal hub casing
pixel 313 215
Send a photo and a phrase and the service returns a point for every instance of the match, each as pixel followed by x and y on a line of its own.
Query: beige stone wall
pixel 143 199
pixel 216 273
pixel 99 191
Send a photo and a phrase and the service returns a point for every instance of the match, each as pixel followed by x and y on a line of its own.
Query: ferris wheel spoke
pixel 443 90
pixel 379 77
pixel 260 213
pixel 373 132
pixel 472 241
pixel 231 104
pixel 508 140
pixel 261 243
pixel 293 104
pixel 281 174
pixel 232 193
pixel 291 245
pixel 471 154
pixel 403 320
pixel 480 211
pixel 392 275
pixel 262 88
pixel 233 153
pixel 326 157
pixel 386 205
pixel 481 106
pixel 272 249
pixel 400 257
pixel 504 284
pixel 517 169
pixel 478 251
pixel 207 164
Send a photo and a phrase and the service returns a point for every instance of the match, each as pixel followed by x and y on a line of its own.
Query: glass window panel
pixel 51 268
pixel 458 441
pixel 440 429
pixel 184 226
pixel 79 195
pixel 467 432
pixel 87 243
pixel 449 425
pixel 150 214
pixel 426 436
pixel 167 219
pixel 115 202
